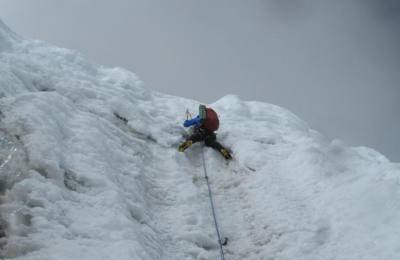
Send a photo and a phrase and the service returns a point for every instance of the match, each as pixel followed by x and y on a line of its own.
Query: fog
pixel 334 63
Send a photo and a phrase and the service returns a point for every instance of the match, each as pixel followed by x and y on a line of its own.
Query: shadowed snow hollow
pixel 89 170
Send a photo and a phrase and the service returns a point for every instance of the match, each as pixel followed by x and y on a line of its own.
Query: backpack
pixel 209 118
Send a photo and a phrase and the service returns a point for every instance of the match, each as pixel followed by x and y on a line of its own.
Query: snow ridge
pixel 7 37
pixel 89 170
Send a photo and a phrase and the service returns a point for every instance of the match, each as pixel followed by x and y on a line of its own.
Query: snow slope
pixel 89 170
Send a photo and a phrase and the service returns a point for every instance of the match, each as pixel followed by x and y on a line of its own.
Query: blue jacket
pixel 195 121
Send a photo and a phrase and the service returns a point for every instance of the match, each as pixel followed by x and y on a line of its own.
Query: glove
pixel 194 121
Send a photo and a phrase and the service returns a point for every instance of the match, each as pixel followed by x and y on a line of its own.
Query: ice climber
pixel 204 126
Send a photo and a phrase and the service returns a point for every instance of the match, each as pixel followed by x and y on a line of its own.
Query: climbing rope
pixel 212 207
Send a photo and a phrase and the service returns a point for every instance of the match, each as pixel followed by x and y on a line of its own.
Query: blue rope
pixel 212 206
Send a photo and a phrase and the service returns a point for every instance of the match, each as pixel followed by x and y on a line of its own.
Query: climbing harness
pixel 220 242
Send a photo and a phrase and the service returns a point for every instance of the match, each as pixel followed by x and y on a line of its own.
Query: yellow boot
pixel 185 145
pixel 226 154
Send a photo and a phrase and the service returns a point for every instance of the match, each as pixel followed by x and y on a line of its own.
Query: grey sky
pixel 334 63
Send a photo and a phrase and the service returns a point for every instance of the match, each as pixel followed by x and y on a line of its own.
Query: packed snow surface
pixel 89 170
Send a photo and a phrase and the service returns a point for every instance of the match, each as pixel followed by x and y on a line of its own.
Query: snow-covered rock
pixel 89 170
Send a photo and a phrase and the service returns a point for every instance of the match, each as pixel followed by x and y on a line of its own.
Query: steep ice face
pixel 89 170
pixel 88 142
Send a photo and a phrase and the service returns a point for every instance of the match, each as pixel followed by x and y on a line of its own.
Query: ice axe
pixel 188 114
